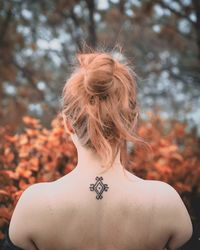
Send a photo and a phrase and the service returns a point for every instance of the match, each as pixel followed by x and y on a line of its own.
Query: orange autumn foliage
pixel 41 155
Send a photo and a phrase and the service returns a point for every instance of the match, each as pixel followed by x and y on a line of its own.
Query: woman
pixel 100 205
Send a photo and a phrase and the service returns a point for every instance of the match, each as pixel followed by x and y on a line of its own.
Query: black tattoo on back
pixel 99 187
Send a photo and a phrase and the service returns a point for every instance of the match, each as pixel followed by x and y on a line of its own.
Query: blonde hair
pixel 99 100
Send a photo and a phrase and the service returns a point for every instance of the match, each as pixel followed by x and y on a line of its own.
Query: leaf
pixel 11 138
pixel 31 121
pixel 179 129
pixel 22 169
pixel 24 152
pixel 177 156
pixel 1 234
pixel 7 173
pixel 31 132
pixel 23 139
pixel 5 213
pixel 58 131
pixel 164 142
pixel 166 170
pixel 10 157
pixel 31 180
pixel 23 185
pixel 3 192
pixel 6 151
pixel 34 164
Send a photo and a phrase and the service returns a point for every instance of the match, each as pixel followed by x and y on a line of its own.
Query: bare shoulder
pixel 166 196
pixel 162 189
pixel 34 188
pixel 26 210
pixel 30 194
pixel 172 213
pixel 34 199
pixel 35 192
pixel 157 188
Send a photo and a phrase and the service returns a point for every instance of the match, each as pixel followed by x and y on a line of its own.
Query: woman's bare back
pixel 125 218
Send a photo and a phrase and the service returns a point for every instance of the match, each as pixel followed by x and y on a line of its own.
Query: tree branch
pixel 196 4
pixel 76 37
pixel 177 13
pixel 92 26
pixel 5 24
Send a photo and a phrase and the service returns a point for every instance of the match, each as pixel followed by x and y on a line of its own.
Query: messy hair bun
pixel 100 100
pixel 98 73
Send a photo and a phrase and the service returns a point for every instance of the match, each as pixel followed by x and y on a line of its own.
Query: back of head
pixel 99 99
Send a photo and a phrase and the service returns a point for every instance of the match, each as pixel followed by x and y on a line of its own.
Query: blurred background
pixel 38 41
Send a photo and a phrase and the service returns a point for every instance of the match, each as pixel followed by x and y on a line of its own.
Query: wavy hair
pixel 99 100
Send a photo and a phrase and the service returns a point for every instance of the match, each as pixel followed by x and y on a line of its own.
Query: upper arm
pixel 177 217
pixel 22 218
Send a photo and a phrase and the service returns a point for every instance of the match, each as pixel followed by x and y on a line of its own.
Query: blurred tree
pixel 38 40
pixel 162 35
